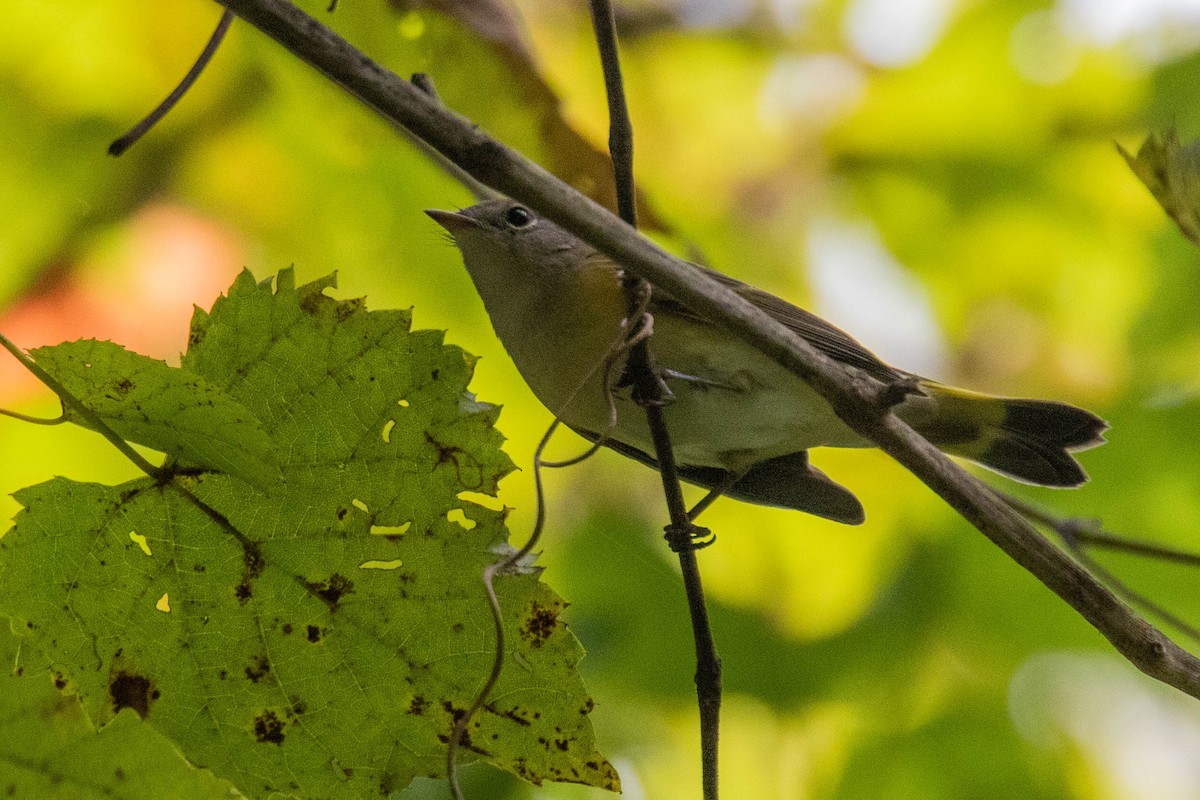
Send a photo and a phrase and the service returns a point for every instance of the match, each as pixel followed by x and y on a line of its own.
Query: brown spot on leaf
pixel 348 308
pixel 287 628
pixel 314 634
pixel 252 567
pixel 268 728
pixel 513 714
pixel 332 590
pixel 454 712
pixel 60 681
pixel 129 690
pixel 540 622
pixel 418 705
pixel 258 669
pixel 452 454
pixel 446 452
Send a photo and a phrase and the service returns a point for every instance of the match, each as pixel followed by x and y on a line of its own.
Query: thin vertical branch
pixel 87 416
pixel 651 392
pixel 620 128
pixel 708 663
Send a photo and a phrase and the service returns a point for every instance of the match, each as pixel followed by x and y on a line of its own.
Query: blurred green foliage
pixel 886 662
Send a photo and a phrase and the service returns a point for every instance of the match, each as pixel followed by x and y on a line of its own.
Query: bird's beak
pixel 452 221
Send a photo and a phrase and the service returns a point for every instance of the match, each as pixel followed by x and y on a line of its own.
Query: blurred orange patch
pixel 137 289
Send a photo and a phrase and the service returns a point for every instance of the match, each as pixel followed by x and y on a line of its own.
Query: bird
pixel 741 425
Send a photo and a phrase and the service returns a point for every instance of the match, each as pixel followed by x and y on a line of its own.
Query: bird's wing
pixel 784 482
pixel 832 341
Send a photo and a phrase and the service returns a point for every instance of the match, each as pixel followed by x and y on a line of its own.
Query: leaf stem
pixel 93 420
pixel 60 419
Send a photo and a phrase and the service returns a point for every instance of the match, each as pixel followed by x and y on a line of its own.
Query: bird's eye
pixel 518 217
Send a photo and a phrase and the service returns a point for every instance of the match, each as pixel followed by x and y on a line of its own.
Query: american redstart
pixel 738 421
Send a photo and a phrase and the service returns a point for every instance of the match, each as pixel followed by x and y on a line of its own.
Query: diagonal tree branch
pixel 505 170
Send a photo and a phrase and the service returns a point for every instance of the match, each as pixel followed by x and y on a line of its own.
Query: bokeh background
pixel 938 177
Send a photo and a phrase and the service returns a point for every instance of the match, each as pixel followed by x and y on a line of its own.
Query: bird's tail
pixel 1029 440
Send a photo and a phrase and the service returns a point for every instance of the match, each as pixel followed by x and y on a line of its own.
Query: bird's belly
pixel 732 405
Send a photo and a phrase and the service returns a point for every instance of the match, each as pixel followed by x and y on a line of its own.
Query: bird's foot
pixel 688 536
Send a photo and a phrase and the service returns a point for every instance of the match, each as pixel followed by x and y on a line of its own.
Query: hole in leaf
pixel 387 430
pixel 481 499
pixel 141 542
pixel 390 530
pixel 393 564
pixel 164 603
pixel 456 515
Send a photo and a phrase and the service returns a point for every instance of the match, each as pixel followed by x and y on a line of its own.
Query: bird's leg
pixel 693 536
pixel 654 392
pixel 728 482
pixel 688 537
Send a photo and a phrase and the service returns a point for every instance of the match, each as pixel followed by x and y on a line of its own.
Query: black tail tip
pixel 1031 461
pixel 1067 426
pixel 1038 439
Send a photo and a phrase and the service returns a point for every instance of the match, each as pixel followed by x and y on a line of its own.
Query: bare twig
pixel 681 531
pixel 620 128
pixel 1088 532
pixel 150 120
pixel 1079 534
pixel 507 171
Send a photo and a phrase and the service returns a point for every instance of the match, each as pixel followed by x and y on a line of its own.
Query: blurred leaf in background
pixel 938 177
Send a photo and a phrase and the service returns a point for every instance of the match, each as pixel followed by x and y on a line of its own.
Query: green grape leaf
pixel 170 409
pixel 1171 171
pixel 58 756
pixel 317 638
